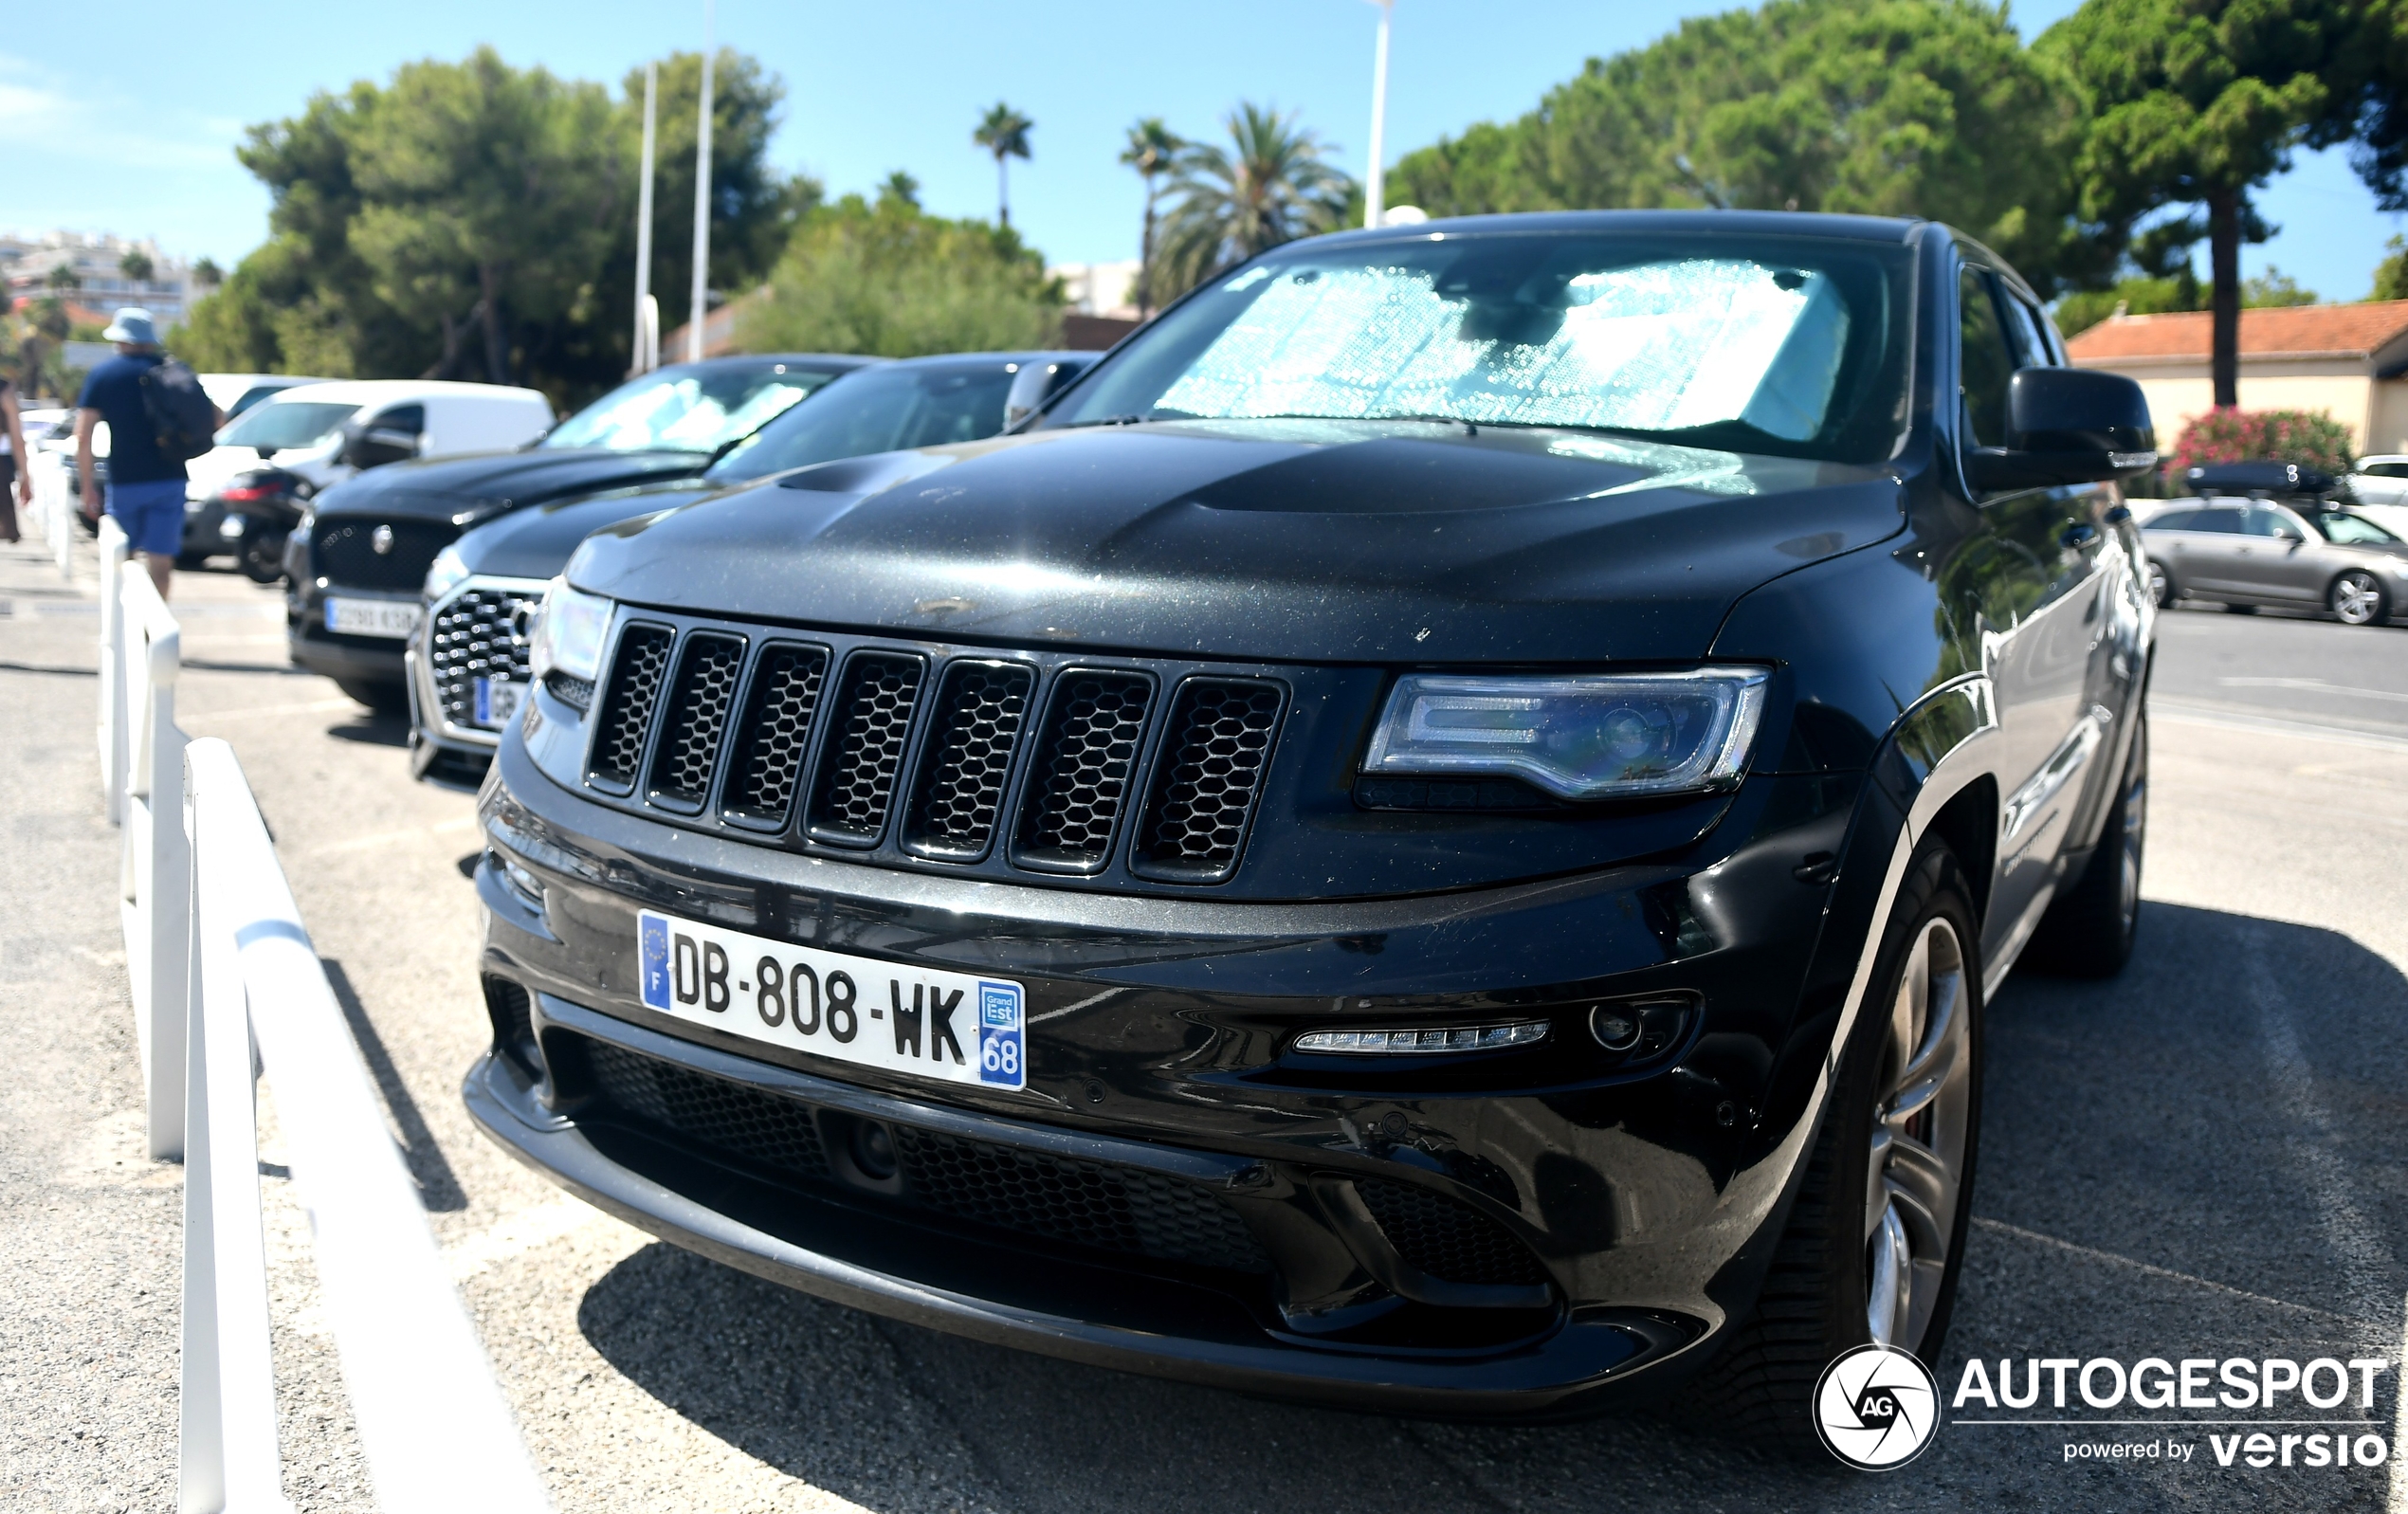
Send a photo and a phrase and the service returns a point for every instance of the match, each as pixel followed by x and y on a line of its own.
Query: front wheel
pixel 1875 1239
pixel 2357 598
pixel 2088 932
pixel 262 558
pixel 2161 586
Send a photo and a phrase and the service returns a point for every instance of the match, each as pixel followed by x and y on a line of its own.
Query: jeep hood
pixel 1275 540
pixel 535 542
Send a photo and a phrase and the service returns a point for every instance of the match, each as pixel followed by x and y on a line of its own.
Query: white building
pixel 27 262
pixel 1099 288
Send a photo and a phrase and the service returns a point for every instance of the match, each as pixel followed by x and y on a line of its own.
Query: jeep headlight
pixel 569 631
pixel 1603 735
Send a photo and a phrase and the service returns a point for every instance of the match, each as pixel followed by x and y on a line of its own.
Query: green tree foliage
pixel 1152 149
pixel 2391 275
pixel 2309 438
pixel 2197 103
pixel 889 279
pixel 1891 107
pixel 474 220
pixel 1003 132
pixel 135 265
pixel 2084 308
pixel 2274 288
pixel 1271 183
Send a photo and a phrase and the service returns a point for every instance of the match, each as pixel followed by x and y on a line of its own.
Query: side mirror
pixel 2067 426
pixel 378 446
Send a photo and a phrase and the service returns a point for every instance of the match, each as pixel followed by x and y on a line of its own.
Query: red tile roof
pixel 2277 332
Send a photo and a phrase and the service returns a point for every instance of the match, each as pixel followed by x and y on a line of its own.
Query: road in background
pixel 2208 1157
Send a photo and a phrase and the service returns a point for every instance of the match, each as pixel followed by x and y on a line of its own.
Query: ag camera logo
pixel 1876 1408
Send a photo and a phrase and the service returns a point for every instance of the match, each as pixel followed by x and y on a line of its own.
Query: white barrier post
pixel 62 540
pixel 228 1462
pixel 438 1434
pixel 113 733
pixel 155 870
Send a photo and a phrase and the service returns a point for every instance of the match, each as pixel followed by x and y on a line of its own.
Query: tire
pixel 262 566
pixel 385 699
pixel 1837 1252
pixel 2088 931
pixel 2357 599
pixel 2161 586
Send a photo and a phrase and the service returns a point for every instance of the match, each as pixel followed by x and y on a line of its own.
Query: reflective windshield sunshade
pixel 1425 1041
pixel 1578 737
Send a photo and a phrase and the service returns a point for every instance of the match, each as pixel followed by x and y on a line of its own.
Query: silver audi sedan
pixel 2300 554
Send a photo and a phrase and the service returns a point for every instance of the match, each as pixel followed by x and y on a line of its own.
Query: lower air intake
pixel 1450 1242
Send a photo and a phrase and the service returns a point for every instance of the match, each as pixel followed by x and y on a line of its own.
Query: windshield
pixel 2349 530
pixel 1794 346
pixel 878 410
pixel 294 423
pixel 688 410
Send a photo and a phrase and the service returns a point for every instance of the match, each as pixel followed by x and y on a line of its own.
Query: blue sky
pixel 133 135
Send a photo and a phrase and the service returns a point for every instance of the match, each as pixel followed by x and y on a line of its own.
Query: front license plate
pixel 395 618
pixel 948 1025
pixel 496 700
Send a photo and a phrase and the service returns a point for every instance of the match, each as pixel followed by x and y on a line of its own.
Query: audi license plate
pixel 952 1026
pixel 496 700
pixel 395 618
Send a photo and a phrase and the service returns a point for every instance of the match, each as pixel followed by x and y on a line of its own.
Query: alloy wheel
pixel 2357 598
pixel 2160 587
pixel 1920 1139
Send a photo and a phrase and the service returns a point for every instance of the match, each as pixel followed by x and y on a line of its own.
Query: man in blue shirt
pixel 146 490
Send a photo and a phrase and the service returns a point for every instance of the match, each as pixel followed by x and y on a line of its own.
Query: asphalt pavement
pixel 2202 1158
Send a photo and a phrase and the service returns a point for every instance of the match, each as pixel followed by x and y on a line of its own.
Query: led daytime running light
pixel 1425 1042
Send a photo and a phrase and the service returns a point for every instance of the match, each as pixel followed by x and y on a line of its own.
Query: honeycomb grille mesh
pixel 699 703
pixel 1207 777
pixel 1084 1203
pixel 471 638
pixel 980 708
pixel 856 783
pixel 1082 779
pixel 775 729
pixel 1061 1199
pixel 759 1128
pixel 636 687
pixel 1449 1241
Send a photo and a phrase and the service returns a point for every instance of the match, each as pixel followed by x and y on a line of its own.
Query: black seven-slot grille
pixel 1063 1199
pixel 346 556
pixel 949 759
pixel 472 638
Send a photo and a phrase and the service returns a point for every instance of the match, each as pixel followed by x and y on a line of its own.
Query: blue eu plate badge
pixel 1000 1052
pixel 652 959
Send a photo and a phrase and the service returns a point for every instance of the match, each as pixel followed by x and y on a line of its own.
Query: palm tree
pixel 1003 132
pixel 1153 150
pixel 1270 185
pixel 135 265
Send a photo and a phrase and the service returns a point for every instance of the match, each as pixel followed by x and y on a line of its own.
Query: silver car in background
pixel 2301 554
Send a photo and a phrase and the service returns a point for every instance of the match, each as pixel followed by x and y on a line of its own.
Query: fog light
pixel 873 1150
pixel 1642 1027
pixel 1425 1042
pixel 1615 1026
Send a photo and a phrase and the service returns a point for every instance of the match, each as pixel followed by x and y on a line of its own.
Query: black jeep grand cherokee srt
pixel 1433 835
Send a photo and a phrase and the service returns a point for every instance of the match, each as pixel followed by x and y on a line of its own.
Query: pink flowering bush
pixel 2310 438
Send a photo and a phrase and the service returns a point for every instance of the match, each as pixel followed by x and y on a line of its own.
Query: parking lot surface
pixel 2207 1157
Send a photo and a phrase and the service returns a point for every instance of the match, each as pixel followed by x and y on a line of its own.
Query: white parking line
pixel 514 1235
pixel 2136 1265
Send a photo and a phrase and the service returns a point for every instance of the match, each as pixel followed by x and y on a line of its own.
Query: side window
pixel 2226 521
pixel 1985 361
pixel 2023 327
pixel 2175 521
pixel 2261 520
pixel 411 418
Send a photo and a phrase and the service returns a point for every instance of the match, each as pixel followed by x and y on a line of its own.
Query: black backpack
pixel 183 420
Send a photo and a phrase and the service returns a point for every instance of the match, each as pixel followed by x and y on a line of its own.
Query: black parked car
pixel 469 657
pixel 355 566
pixel 1432 835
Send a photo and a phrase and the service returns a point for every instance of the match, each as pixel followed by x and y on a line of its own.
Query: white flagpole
pixel 1374 185
pixel 699 310
pixel 645 358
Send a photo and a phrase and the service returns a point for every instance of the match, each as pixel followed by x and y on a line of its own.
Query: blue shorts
pixel 151 514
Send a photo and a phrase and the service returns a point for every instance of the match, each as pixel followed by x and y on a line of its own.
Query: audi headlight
pixel 569 631
pixel 1601 736
pixel 446 573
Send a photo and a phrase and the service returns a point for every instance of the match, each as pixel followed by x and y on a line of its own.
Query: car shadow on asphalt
pixel 372 728
pixel 2132 1132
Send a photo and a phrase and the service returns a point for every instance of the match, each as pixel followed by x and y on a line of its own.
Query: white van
pixel 326 433
pixel 233 394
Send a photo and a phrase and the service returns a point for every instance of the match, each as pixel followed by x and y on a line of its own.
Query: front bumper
pixel 351 659
pixel 1646 1197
